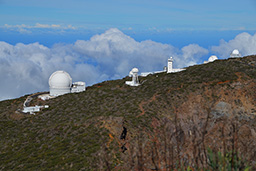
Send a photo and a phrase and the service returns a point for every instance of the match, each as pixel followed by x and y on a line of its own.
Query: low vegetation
pixel 202 118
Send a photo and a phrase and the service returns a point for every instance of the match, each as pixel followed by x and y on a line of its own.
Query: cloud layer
pixel 25 68
pixel 244 42
pixel 27 29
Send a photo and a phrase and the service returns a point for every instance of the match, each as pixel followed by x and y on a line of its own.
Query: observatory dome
pixel 135 70
pixel 235 53
pixel 60 83
pixel 60 79
pixel 135 79
pixel 212 58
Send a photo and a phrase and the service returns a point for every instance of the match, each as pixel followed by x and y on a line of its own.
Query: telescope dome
pixel 135 70
pixel 235 52
pixel 60 79
pixel 212 58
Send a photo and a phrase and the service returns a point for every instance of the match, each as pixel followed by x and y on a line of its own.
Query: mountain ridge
pixel 110 124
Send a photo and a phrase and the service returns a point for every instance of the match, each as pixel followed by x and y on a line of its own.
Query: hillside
pixel 199 117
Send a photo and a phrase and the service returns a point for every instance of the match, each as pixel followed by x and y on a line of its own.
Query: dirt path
pixel 153 98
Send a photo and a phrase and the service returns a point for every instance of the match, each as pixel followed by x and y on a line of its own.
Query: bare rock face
pixel 221 109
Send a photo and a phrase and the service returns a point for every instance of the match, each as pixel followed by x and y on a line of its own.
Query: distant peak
pixel 113 30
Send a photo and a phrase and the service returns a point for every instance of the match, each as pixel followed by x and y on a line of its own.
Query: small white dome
pixel 60 79
pixel 235 52
pixel 135 70
pixel 212 58
pixel 170 59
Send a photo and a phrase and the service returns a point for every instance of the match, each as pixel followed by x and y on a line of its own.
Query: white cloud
pixel 23 28
pixel 38 25
pixel 26 68
pixel 244 42
pixel 192 53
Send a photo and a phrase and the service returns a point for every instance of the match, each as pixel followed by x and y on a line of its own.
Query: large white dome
pixel 60 79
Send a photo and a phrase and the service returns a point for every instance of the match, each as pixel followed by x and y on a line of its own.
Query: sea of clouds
pixel 26 68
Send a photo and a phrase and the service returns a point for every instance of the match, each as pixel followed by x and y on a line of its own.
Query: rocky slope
pixel 199 118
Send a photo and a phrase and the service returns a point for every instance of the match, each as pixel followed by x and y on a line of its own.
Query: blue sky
pixel 97 40
pixel 136 14
pixel 159 20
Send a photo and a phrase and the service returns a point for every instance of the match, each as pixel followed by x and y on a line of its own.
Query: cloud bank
pixel 27 29
pixel 244 42
pixel 26 68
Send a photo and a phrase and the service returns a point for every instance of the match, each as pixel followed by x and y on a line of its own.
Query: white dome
pixel 235 52
pixel 135 70
pixel 60 79
pixel 212 58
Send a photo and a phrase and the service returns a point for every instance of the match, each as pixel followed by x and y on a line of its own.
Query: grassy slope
pixel 69 133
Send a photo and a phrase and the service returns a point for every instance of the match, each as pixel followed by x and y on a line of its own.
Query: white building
pixel 170 68
pixel 78 87
pixel 144 74
pixel 32 109
pixel 211 59
pixel 60 83
pixel 135 80
pixel 235 53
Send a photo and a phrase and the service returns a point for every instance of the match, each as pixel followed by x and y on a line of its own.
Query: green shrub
pixel 219 161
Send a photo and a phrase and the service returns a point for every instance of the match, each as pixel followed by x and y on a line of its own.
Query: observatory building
pixel 135 80
pixel 235 53
pixel 211 59
pixel 33 109
pixel 60 83
pixel 170 68
pixel 78 87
